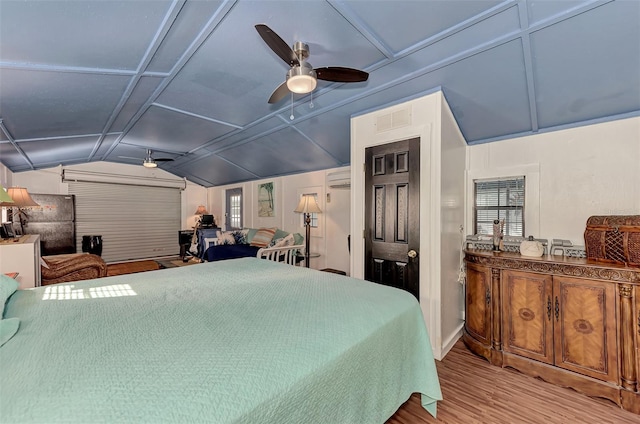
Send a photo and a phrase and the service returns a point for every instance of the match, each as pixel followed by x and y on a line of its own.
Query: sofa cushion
pixel 221 252
pixel 263 237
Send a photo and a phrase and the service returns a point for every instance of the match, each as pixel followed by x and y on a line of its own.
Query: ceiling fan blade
pixel 130 157
pixel 162 159
pixel 277 44
pixel 279 93
pixel 339 74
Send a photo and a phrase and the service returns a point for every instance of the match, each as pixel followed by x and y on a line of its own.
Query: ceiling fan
pixel 149 161
pixel 302 77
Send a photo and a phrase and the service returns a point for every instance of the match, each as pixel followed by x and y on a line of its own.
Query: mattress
pixel 237 341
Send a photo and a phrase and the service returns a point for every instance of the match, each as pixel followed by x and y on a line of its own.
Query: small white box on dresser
pixel 22 256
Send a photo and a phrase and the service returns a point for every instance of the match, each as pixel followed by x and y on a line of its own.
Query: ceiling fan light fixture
pixel 301 79
pixel 149 163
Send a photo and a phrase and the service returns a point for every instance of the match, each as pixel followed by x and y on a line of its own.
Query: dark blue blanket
pixel 230 251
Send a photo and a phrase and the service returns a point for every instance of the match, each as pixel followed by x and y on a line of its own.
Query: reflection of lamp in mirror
pixel 21 199
pixel 307 206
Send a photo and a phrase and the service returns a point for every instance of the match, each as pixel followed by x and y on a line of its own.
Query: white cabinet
pixel 22 256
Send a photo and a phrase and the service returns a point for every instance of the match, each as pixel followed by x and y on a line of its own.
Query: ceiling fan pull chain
pixel 292 117
pixel 311 102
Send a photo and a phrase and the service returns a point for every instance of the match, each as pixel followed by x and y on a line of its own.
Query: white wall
pixel 49 181
pixel 590 170
pixel 329 239
pixel 442 163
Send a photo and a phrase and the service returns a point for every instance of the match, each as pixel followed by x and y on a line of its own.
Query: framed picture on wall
pixel 266 200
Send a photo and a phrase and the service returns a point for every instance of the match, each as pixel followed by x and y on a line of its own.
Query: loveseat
pixel 269 243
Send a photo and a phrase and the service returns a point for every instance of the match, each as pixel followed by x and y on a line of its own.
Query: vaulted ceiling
pixel 84 81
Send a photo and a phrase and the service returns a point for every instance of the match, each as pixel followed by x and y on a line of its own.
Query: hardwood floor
pixel 476 392
pixel 131 267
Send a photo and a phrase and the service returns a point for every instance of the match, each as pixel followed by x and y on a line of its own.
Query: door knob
pixel 412 254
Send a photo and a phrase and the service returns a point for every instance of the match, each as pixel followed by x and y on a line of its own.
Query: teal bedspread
pixel 238 341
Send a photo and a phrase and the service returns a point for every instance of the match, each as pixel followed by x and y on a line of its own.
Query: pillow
pixel 8 327
pixel 240 236
pixel 226 237
pixel 263 237
pixel 298 239
pixel 283 241
pixel 251 232
pixel 280 234
pixel 7 287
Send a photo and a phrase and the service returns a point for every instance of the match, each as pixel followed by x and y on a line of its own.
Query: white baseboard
pixel 451 340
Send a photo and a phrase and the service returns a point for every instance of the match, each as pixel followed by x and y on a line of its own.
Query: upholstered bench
pixel 71 267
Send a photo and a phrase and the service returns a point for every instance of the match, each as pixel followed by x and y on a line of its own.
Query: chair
pixel 72 267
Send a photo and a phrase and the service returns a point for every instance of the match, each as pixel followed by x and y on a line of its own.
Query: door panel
pixel 585 327
pixel 392 199
pixel 478 303
pixel 527 314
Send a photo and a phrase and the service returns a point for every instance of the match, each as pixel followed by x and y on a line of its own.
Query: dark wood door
pixel 392 221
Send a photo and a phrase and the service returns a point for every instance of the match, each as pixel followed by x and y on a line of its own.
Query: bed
pixel 237 341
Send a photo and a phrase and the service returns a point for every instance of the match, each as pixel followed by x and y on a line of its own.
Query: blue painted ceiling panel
pixel 64 103
pixel 170 131
pixel 91 34
pixel 105 80
pixel 270 155
pixel 574 83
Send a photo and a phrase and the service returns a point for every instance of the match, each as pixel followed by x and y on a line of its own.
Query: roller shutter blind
pixel 135 222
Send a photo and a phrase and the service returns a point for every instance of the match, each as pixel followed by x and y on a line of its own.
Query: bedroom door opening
pixel 392 218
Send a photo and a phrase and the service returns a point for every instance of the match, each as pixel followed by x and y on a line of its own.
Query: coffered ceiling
pixel 84 81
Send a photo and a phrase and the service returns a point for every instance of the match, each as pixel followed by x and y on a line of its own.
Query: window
pixel 499 199
pixel 234 209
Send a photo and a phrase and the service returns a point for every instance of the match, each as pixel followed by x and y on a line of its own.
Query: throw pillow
pixel 263 237
pixel 8 327
pixel 226 237
pixel 7 287
pixel 288 240
pixel 241 236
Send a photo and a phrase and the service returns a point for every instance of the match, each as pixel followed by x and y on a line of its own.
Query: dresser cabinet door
pixel 527 315
pixel 478 303
pixel 585 327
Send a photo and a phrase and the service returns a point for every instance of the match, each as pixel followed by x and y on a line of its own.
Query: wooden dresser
pixel 571 322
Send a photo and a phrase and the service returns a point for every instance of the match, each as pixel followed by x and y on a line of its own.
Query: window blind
pixel 135 222
pixel 500 199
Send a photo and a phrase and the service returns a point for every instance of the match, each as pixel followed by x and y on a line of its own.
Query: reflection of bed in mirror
pixel 244 340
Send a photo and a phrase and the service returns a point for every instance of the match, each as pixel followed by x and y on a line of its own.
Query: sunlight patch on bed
pixel 68 292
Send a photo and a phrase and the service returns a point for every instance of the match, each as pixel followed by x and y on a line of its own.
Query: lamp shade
pixel 201 210
pixel 21 197
pixel 4 197
pixel 308 204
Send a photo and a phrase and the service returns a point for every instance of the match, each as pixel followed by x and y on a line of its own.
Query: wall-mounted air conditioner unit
pixel 339 179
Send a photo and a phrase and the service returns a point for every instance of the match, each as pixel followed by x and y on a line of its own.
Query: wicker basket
pixel 613 239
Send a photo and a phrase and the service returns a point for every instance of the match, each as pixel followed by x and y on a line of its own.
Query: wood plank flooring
pixel 131 267
pixel 476 392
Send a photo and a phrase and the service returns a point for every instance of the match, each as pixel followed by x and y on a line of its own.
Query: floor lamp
pixel 307 206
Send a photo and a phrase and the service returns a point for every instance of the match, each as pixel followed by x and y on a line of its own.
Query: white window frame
pixel 531 173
